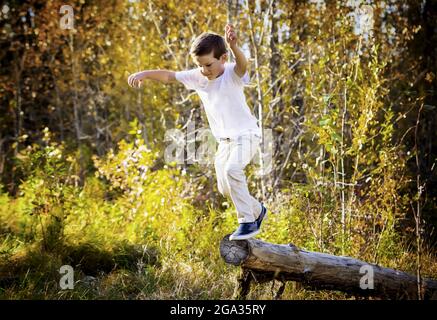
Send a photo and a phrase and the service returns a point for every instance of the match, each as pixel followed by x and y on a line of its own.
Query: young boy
pixel 220 87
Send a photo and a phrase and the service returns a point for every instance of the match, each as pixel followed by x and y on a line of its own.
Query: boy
pixel 220 87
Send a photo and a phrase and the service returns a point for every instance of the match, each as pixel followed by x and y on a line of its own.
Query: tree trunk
pixel 255 46
pixel 275 109
pixel 266 261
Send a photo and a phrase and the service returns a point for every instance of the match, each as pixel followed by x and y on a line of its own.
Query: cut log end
pixel 234 252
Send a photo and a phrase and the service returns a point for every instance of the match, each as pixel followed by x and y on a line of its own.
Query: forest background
pixel 345 92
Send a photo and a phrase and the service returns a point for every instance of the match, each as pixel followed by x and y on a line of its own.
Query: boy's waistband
pixel 228 139
pixel 225 139
pixel 248 132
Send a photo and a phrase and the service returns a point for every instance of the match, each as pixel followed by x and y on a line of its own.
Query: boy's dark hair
pixel 208 42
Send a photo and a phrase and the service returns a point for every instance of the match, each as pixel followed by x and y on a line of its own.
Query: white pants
pixel 231 158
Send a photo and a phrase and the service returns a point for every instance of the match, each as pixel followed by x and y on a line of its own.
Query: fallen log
pixel 262 261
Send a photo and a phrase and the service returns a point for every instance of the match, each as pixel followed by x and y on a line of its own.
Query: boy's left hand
pixel 230 36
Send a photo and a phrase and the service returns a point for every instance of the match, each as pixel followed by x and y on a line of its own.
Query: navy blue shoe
pixel 245 231
pixel 262 216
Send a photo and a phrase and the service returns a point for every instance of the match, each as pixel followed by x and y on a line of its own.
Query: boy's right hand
pixel 135 80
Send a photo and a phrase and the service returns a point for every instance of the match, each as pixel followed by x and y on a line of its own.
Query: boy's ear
pixel 224 57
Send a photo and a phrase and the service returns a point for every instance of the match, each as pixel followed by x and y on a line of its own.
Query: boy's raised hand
pixel 135 80
pixel 230 36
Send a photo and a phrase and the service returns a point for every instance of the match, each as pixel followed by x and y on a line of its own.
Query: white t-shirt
pixel 223 98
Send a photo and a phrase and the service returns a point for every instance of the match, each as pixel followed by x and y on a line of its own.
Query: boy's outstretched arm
pixel 240 58
pixel 136 79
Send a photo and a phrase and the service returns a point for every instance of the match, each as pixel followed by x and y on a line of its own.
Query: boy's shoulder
pixel 236 79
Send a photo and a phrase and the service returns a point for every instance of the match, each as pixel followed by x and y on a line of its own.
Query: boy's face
pixel 211 67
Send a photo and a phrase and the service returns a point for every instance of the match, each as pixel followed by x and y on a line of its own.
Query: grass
pixel 167 267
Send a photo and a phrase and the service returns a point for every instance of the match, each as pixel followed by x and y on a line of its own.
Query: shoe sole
pixel 244 237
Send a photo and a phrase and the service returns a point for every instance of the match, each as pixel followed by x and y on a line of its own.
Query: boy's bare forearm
pixel 240 59
pixel 136 79
pixel 159 75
